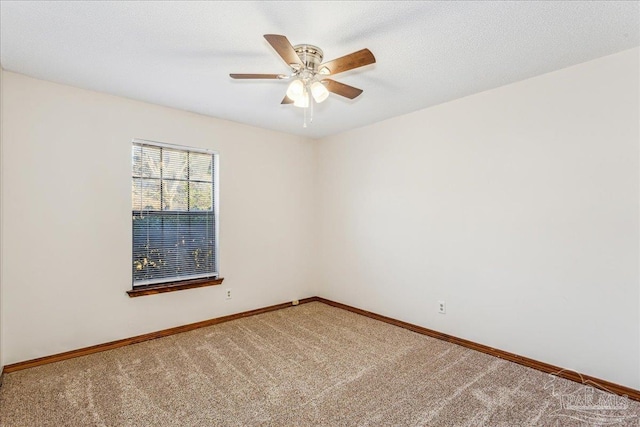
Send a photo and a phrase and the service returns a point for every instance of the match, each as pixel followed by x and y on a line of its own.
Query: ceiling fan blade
pixel 257 76
pixel 283 47
pixel 287 100
pixel 342 89
pixel 349 62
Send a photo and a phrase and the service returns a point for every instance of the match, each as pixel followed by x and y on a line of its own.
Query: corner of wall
pixel 317 205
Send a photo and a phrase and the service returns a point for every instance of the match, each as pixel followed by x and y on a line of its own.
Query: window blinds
pixel 174 215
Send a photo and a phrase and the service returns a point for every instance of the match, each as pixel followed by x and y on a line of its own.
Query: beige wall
pixel 67 217
pixel 517 206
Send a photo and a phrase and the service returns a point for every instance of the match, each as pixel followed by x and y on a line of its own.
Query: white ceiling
pixel 180 54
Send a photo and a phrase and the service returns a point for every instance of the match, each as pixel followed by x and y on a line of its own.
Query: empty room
pixel 319 213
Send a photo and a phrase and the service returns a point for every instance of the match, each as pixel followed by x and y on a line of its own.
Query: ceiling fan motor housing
pixel 311 56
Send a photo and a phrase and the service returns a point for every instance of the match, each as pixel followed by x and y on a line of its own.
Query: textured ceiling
pixel 180 54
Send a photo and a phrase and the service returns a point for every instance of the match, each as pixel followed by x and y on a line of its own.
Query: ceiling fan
pixel 310 75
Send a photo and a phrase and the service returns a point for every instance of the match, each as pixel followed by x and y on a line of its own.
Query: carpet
pixel 309 365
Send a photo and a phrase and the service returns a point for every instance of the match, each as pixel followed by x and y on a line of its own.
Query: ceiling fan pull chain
pixel 311 100
pixel 304 124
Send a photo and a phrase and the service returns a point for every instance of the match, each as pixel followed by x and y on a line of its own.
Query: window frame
pixel 187 282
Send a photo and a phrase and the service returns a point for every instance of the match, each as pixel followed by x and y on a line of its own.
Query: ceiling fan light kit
pixel 307 78
pixel 309 75
pixel 302 101
pixel 295 89
pixel 319 92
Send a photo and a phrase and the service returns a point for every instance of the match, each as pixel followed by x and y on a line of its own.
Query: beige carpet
pixel 302 366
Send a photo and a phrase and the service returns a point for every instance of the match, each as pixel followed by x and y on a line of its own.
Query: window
pixel 174 199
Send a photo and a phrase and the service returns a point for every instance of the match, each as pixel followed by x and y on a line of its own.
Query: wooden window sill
pixel 174 286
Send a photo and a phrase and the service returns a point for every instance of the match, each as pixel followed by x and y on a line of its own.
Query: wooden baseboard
pixel 521 360
pixel 146 337
pixel 525 361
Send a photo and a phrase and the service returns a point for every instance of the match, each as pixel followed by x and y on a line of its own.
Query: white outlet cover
pixel 442 307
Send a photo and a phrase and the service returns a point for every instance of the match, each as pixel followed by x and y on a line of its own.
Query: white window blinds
pixel 174 213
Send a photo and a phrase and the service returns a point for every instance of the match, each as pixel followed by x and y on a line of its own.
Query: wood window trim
pixel 173 286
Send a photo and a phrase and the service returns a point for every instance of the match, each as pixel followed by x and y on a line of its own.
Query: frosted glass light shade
pixel 295 91
pixel 319 92
pixel 303 100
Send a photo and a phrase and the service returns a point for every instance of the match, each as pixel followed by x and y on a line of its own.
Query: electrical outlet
pixel 442 307
pixel 228 294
